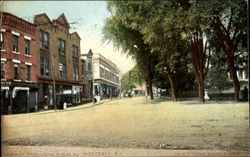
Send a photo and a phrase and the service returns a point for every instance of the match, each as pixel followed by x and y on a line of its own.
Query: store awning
pixel 69 92
pixel 75 89
pixel 15 89
pixel 5 88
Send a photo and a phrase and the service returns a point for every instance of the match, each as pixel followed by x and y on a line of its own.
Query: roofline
pixel 76 34
pixel 108 61
pixel 42 14
pixel 63 15
pixel 6 13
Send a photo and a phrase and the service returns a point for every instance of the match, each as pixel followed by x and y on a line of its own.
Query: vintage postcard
pixel 124 78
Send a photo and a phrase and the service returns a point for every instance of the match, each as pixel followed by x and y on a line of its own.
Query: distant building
pixel 106 77
pixel 242 74
pixel 139 90
pixel 58 62
pixel 242 70
pixel 18 65
pixel 87 75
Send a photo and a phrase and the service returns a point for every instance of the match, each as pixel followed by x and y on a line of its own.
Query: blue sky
pixel 89 17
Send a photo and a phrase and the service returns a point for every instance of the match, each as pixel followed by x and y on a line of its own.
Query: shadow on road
pixel 159 100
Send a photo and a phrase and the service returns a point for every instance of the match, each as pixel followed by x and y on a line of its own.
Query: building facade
pixel 19 66
pixel 106 77
pixel 59 62
pixel 242 70
pixel 87 75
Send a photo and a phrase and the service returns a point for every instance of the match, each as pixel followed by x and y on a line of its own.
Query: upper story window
pixel 44 66
pixel 44 39
pixel 16 71
pixel 107 75
pixel 75 52
pixel 15 43
pixel 62 71
pixel 83 69
pixel 61 47
pixel 27 47
pixel 102 72
pixel 89 67
pixel 75 73
pixel 2 70
pixel 115 78
pixel 2 41
pixel 28 72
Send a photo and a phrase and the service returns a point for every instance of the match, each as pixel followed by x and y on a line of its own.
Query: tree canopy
pixel 164 36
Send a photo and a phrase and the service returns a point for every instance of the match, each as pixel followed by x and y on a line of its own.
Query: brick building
pixel 18 65
pixel 59 62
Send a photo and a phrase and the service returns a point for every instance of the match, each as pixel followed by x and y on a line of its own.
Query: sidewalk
pixel 53 151
pixel 78 107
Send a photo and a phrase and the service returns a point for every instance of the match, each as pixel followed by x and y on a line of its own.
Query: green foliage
pixel 127 84
pixel 131 79
pixel 217 79
pixel 157 35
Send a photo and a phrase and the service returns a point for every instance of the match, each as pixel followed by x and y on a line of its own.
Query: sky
pixel 85 17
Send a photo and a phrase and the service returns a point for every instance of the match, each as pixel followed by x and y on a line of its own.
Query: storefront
pixel 66 92
pixel 18 97
pixel 106 90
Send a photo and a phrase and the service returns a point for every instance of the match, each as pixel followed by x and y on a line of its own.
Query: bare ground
pixel 135 123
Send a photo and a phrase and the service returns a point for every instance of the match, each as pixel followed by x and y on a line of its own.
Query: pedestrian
pixel 206 95
pixel 245 94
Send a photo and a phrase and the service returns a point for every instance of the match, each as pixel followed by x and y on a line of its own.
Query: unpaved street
pixel 135 123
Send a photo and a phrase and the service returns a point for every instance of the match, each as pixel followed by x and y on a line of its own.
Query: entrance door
pixel 4 102
pixel 20 102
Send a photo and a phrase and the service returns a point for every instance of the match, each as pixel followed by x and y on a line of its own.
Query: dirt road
pixel 135 123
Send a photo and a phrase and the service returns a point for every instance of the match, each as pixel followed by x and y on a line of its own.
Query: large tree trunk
pixel 201 89
pixel 172 84
pixel 234 77
pixel 199 61
pixel 147 90
pixel 150 89
pixel 149 82
pixel 228 40
pixel 173 91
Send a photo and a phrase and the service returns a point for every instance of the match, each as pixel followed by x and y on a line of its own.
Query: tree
pixel 127 84
pixel 230 26
pixel 165 26
pixel 132 78
pixel 148 19
pixel 131 42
